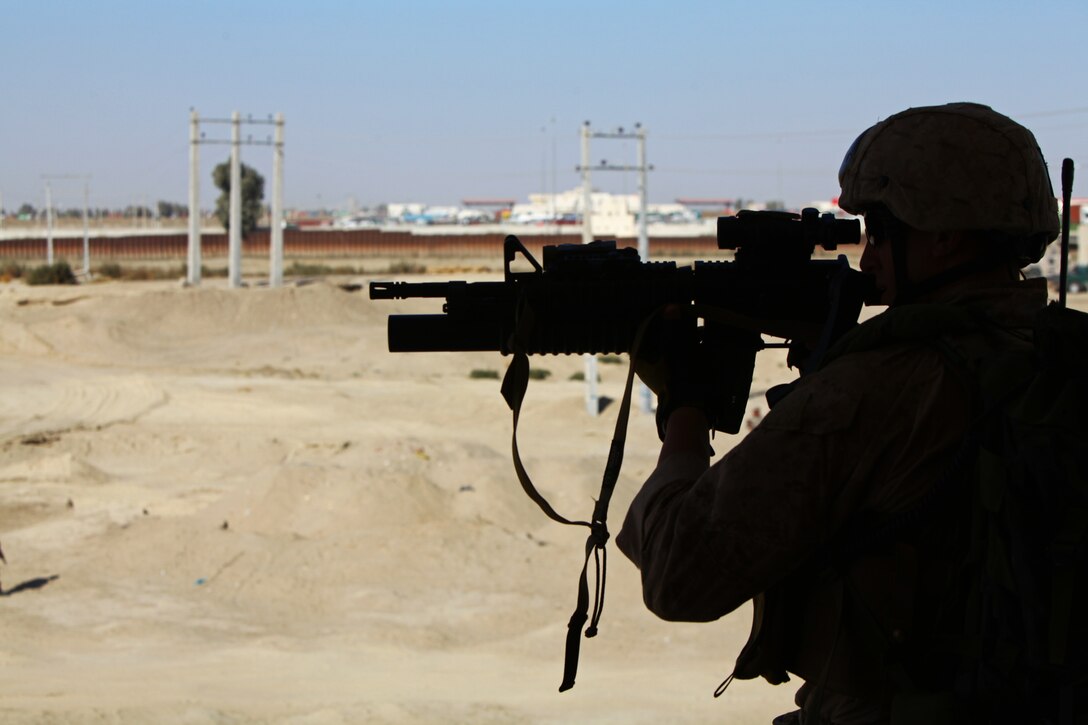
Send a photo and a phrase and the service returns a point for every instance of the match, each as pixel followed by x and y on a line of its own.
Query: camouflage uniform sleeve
pixel 708 540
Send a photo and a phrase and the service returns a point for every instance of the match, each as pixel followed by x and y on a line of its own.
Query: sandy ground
pixel 235 506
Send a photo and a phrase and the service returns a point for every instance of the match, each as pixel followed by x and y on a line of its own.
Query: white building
pixel 613 215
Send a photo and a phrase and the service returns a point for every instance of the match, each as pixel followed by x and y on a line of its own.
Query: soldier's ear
pixel 949 244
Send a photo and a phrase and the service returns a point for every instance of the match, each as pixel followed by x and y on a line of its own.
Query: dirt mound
pixel 239 498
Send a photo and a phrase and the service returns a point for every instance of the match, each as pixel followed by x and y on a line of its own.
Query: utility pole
pixel 86 230
pixel 555 225
pixel 194 260
pixel 643 208
pixel 275 241
pixel 48 224
pixel 234 241
pixel 587 188
pixel 639 135
pixel 593 402
pixel 234 227
pixel 645 395
pixel 86 178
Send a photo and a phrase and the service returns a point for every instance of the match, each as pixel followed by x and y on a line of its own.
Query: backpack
pixel 1024 589
pixel 1018 613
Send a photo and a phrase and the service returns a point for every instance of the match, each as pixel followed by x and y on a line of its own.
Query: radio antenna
pixel 1067 194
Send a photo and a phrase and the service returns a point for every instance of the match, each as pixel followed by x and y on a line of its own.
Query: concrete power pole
pixel 86 231
pixel 639 135
pixel 234 227
pixel 587 188
pixel 49 216
pixel 645 395
pixel 275 242
pixel 194 258
pixel 643 207
pixel 48 224
pixel 593 403
pixel 234 243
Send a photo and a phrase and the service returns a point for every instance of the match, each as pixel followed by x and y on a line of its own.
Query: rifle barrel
pixel 406 290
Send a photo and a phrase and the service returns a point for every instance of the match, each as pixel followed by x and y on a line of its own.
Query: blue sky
pixel 440 101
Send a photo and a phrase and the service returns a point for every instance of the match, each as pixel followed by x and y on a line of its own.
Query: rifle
pixel 593 298
pixel 597 298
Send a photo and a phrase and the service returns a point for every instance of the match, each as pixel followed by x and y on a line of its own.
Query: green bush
pixel 302 269
pixel 406 268
pixel 581 376
pixel 611 359
pixel 112 270
pixel 10 270
pixel 483 374
pixel 59 273
pixel 539 374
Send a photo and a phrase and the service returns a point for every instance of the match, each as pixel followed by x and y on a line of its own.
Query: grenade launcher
pixel 593 298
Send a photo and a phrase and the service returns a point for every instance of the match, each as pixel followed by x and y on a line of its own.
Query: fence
pixel 355 243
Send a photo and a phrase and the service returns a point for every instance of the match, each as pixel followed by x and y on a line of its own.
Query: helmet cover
pixel 957 167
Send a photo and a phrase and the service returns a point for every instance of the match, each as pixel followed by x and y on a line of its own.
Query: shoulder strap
pixel 514 386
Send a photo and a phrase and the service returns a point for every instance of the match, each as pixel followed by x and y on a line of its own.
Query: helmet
pixel 957 167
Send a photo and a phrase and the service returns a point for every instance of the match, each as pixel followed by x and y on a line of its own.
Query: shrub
pixel 539 374
pixel 581 376
pixel 302 269
pixel 10 270
pixel 611 359
pixel 406 268
pixel 112 270
pixel 59 273
pixel 483 374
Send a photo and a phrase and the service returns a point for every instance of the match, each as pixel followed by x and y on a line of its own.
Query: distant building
pixel 613 215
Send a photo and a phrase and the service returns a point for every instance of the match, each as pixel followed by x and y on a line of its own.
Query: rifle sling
pixel 514 385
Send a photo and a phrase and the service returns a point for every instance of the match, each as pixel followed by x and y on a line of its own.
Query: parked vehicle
pixel 1077 279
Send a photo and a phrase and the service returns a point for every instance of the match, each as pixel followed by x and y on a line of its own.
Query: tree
pixel 170 210
pixel 252 195
pixel 136 212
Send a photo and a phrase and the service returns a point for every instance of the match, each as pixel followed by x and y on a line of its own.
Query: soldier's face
pixel 925 255
pixel 876 260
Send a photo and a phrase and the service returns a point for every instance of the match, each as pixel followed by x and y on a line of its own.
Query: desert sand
pixel 236 506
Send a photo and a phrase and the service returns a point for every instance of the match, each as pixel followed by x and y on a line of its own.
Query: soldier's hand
pixel 670 364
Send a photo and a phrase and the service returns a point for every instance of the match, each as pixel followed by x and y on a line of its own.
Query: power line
pixel 761 135
pixel 1056 112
